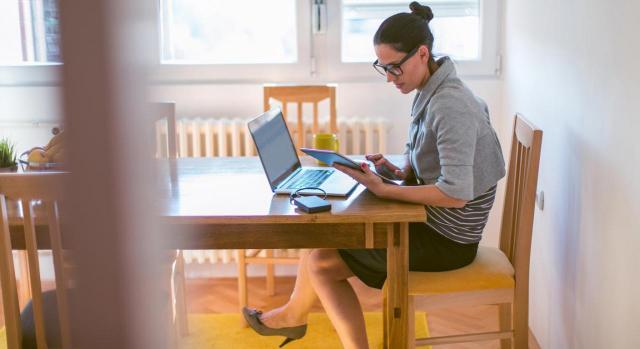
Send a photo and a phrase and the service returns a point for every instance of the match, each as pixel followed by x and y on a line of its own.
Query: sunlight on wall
pixel 575 75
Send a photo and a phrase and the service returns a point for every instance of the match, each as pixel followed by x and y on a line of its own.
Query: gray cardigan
pixel 451 141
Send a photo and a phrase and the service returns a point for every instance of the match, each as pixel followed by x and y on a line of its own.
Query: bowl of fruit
pixel 50 157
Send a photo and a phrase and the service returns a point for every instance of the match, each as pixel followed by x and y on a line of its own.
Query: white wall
pixel 27 115
pixel 572 68
pixel 367 99
pixel 373 99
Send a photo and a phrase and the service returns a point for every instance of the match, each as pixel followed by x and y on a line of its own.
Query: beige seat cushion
pixel 490 270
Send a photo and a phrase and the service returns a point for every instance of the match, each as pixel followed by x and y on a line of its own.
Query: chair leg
pixel 411 326
pixel 385 324
pixel 173 333
pixel 242 283
pixel 181 300
pixel 505 319
pixel 271 284
pixel 521 326
pixel 174 336
pixel 170 306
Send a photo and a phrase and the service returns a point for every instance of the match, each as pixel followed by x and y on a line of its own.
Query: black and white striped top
pixel 463 225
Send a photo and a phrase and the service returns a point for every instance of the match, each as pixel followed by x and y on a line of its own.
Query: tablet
pixel 330 157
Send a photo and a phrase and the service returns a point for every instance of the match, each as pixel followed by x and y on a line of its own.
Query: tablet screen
pixel 330 157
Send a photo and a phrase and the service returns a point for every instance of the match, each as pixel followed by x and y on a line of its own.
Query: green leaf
pixel 7 153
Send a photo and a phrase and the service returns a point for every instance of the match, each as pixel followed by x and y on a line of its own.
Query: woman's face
pixel 415 71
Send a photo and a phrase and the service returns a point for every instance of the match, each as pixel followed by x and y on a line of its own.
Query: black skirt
pixel 428 251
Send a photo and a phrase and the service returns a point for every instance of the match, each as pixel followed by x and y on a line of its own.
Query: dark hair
pixel 406 31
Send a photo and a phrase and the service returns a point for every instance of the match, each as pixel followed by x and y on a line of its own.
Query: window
pixel 259 41
pixel 455 26
pixel 221 40
pixel 29 32
pixel 465 30
pixel 229 32
pixel 310 40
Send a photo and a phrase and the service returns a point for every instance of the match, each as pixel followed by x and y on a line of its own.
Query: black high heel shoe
pixel 292 333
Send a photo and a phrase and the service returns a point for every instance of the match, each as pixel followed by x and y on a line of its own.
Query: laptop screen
pixel 274 145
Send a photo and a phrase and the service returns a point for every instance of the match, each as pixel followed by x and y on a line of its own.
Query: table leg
pixel 243 298
pixel 397 282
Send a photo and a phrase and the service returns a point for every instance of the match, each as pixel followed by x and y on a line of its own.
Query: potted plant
pixel 7 156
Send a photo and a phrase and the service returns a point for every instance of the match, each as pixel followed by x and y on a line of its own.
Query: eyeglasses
pixel 393 69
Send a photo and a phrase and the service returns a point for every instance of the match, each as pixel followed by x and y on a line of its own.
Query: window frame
pixel 319 57
pixel 487 66
pixel 30 74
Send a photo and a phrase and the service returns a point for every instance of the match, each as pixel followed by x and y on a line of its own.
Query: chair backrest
pixel 299 95
pixel 166 111
pixel 520 196
pixel 47 189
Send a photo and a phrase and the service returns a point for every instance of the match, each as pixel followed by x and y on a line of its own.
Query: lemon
pixel 38 156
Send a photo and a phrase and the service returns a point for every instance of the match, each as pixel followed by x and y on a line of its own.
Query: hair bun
pixel 423 11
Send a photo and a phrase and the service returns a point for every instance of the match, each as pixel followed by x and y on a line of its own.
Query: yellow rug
pixel 223 331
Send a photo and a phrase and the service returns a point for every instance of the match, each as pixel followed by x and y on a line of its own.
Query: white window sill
pixel 47 74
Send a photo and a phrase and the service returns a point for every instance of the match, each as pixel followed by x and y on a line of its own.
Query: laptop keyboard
pixel 309 178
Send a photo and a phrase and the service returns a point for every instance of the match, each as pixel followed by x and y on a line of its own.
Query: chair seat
pixel 490 270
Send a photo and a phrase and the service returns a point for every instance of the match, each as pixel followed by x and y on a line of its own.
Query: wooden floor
pixel 220 296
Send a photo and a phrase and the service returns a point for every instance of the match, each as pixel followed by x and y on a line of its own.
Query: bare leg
pixel 328 274
pixel 303 297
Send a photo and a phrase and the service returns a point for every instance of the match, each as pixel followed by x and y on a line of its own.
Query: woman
pixel 453 162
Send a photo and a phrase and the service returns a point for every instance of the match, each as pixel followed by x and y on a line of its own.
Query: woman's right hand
pixel 386 167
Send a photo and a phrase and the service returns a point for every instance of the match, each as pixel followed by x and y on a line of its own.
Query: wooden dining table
pixel 227 203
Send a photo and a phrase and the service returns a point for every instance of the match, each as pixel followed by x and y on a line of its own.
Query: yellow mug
pixel 325 141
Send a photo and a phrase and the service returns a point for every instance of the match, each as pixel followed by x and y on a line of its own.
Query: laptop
pixel 282 165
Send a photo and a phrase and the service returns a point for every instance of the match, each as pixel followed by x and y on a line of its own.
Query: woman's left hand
pixel 364 177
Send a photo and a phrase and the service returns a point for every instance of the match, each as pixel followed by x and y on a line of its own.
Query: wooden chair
pixel 46 188
pixel 284 95
pixel 300 95
pixel 166 111
pixel 498 276
pixel 24 292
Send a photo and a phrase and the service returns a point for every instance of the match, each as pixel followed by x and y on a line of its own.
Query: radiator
pixel 230 137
